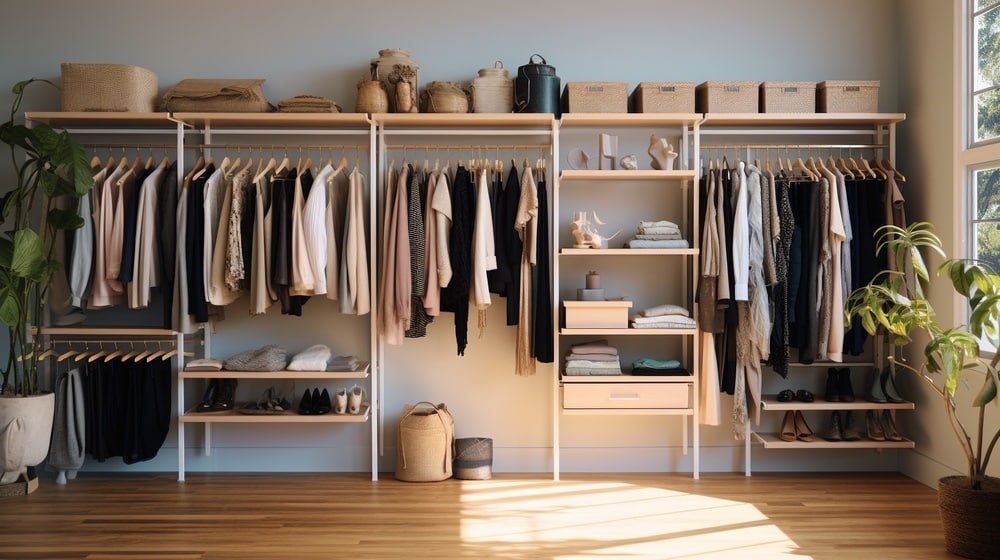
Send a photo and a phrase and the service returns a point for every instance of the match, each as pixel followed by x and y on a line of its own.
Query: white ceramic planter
pixel 25 431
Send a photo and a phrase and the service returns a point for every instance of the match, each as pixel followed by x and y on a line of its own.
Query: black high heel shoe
pixel 324 406
pixel 306 405
pixel 227 396
pixel 208 399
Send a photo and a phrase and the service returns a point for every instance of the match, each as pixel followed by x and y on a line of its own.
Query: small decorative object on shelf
pixel 493 90
pixel 579 159
pixel 445 97
pixel 593 291
pixel 662 152
pixel 630 162
pixel 608 150
pixel 372 96
pixel 584 234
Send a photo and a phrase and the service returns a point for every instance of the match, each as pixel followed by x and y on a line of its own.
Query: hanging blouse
pixel 483 257
pixel 354 264
pixel 526 224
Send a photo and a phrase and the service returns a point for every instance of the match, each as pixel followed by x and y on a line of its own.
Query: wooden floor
pixel 313 516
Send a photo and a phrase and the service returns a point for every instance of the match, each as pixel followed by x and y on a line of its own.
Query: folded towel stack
pixel 204 365
pixel 593 358
pixel 661 234
pixel 666 316
pixel 344 363
pixel 308 104
pixel 267 358
pixel 314 358
pixel 649 366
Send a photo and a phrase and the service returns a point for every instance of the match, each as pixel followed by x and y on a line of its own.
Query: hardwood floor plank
pixel 306 516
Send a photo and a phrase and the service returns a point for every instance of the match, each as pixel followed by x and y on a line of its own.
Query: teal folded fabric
pixel 650 363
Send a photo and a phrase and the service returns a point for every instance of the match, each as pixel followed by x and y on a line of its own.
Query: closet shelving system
pixel 419 128
pixel 801 132
pixel 619 191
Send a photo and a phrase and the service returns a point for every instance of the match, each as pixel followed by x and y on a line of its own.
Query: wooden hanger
pixel 869 169
pixel 801 165
pixel 270 165
pixel 857 168
pixel 283 165
pixel 142 355
pixel 199 164
pixel 113 355
pixel 891 168
pixel 46 353
pixel 842 165
pixel 95 162
pixel 131 353
pixel 155 355
pixel 66 355
pixel 96 355
pixel 150 162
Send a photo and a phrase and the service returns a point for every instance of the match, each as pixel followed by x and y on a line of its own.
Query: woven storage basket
pixel 217 96
pixel 424 443
pixel 595 97
pixel 727 97
pixel 971 518
pixel 788 97
pixel 445 97
pixel 372 97
pixel 842 96
pixel 663 97
pixel 493 90
pixel 474 458
pixel 108 87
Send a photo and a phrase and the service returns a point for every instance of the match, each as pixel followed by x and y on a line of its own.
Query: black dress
pixel 512 244
pixel 542 333
pixel 195 248
pixel 455 297
pixel 167 238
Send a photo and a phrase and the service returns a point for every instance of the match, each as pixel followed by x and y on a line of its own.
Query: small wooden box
pixel 727 97
pixel 843 96
pixel 625 395
pixel 788 97
pixel 595 97
pixel 663 97
pixel 597 314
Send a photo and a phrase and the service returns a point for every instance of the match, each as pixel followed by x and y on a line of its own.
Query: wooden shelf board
pixel 802 119
pixel 361 373
pixel 572 252
pixel 628 411
pixel 625 174
pixel 627 378
pixel 832 364
pixel 463 120
pixel 598 303
pixel 628 332
pixel 770 402
pixel 60 119
pixel 583 120
pixel 103 331
pixel 234 417
pixel 306 120
pixel 772 441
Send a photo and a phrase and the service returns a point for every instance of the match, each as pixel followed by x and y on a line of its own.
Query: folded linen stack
pixel 593 358
pixel 649 366
pixel 344 363
pixel 661 234
pixel 204 364
pixel 666 316
pixel 308 104
pixel 314 358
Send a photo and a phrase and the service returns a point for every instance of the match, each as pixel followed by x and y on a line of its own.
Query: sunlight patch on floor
pixel 614 520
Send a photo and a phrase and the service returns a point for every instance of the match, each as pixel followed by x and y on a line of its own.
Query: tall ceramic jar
pixel 401 76
pixel 493 90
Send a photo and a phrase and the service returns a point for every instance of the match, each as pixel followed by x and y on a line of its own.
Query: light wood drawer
pixel 625 395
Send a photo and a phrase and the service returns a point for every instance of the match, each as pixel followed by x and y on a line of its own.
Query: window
pixel 985 57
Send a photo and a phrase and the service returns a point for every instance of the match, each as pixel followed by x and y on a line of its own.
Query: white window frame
pixel 971 154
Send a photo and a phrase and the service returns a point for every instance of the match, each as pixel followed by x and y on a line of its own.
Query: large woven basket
pixel 424 443
pixel 445 97
pixel 663 97
pixel 788 97
pixel 842 96
pixel 108 87
pixel 727 97
pixel 474 458
pixel 971 518
pixel 595 97
pixel 372 97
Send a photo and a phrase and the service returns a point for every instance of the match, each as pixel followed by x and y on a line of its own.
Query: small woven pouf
pixel 473 458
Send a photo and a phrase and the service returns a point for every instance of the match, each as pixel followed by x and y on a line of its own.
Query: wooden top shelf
pixel 627 378
pixel 103 331
pixel 628 332
pixel 772 441
pixel 58 119
pixel 470 120
pixel 234 417
pixel 569 251
pixel 628 411
pixel 802 119
pixel 304 120
pixel 584 120
pixel 360 373
pixel 770 402
pixel 625 175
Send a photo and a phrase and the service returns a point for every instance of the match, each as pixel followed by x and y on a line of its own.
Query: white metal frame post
pixel 695 276
pixel 554 247
pixel 376 363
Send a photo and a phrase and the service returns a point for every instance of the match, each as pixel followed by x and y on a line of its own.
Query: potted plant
pixel 47 164
pixel 895 303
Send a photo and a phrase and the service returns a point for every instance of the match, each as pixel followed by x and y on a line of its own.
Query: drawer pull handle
pixel 624 396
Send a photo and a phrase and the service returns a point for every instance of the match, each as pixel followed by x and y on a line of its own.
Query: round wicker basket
pixel 372 97
pixel 971 518
pixel 445 97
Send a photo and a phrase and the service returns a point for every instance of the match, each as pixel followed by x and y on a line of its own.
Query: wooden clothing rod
pixel 440 147
pixel 794 146
pixel 279 146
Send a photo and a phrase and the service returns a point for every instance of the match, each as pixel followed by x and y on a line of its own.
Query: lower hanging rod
pixel 440 147
pixel 278 146
pixel 795 146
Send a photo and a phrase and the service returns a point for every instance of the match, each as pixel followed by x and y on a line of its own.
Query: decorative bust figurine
pixel 663 153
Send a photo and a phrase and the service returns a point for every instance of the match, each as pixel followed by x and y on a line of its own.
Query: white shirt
pixel 442 215
pixel 484 256
pixel 741 237
pixel 314 229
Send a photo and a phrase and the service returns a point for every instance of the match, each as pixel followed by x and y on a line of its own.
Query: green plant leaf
pixel 64 219
pixel 6 252
pixel 45 139
pixel 987 394
pixel 10 309
pixel 27 259
pixel 14 134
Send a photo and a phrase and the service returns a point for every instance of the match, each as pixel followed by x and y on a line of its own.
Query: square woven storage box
pixel 663 97
pixel 727 97
pixel 597 314
pixel 788 97
pixel 844 96
pixel 595 97
pixel 108 88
